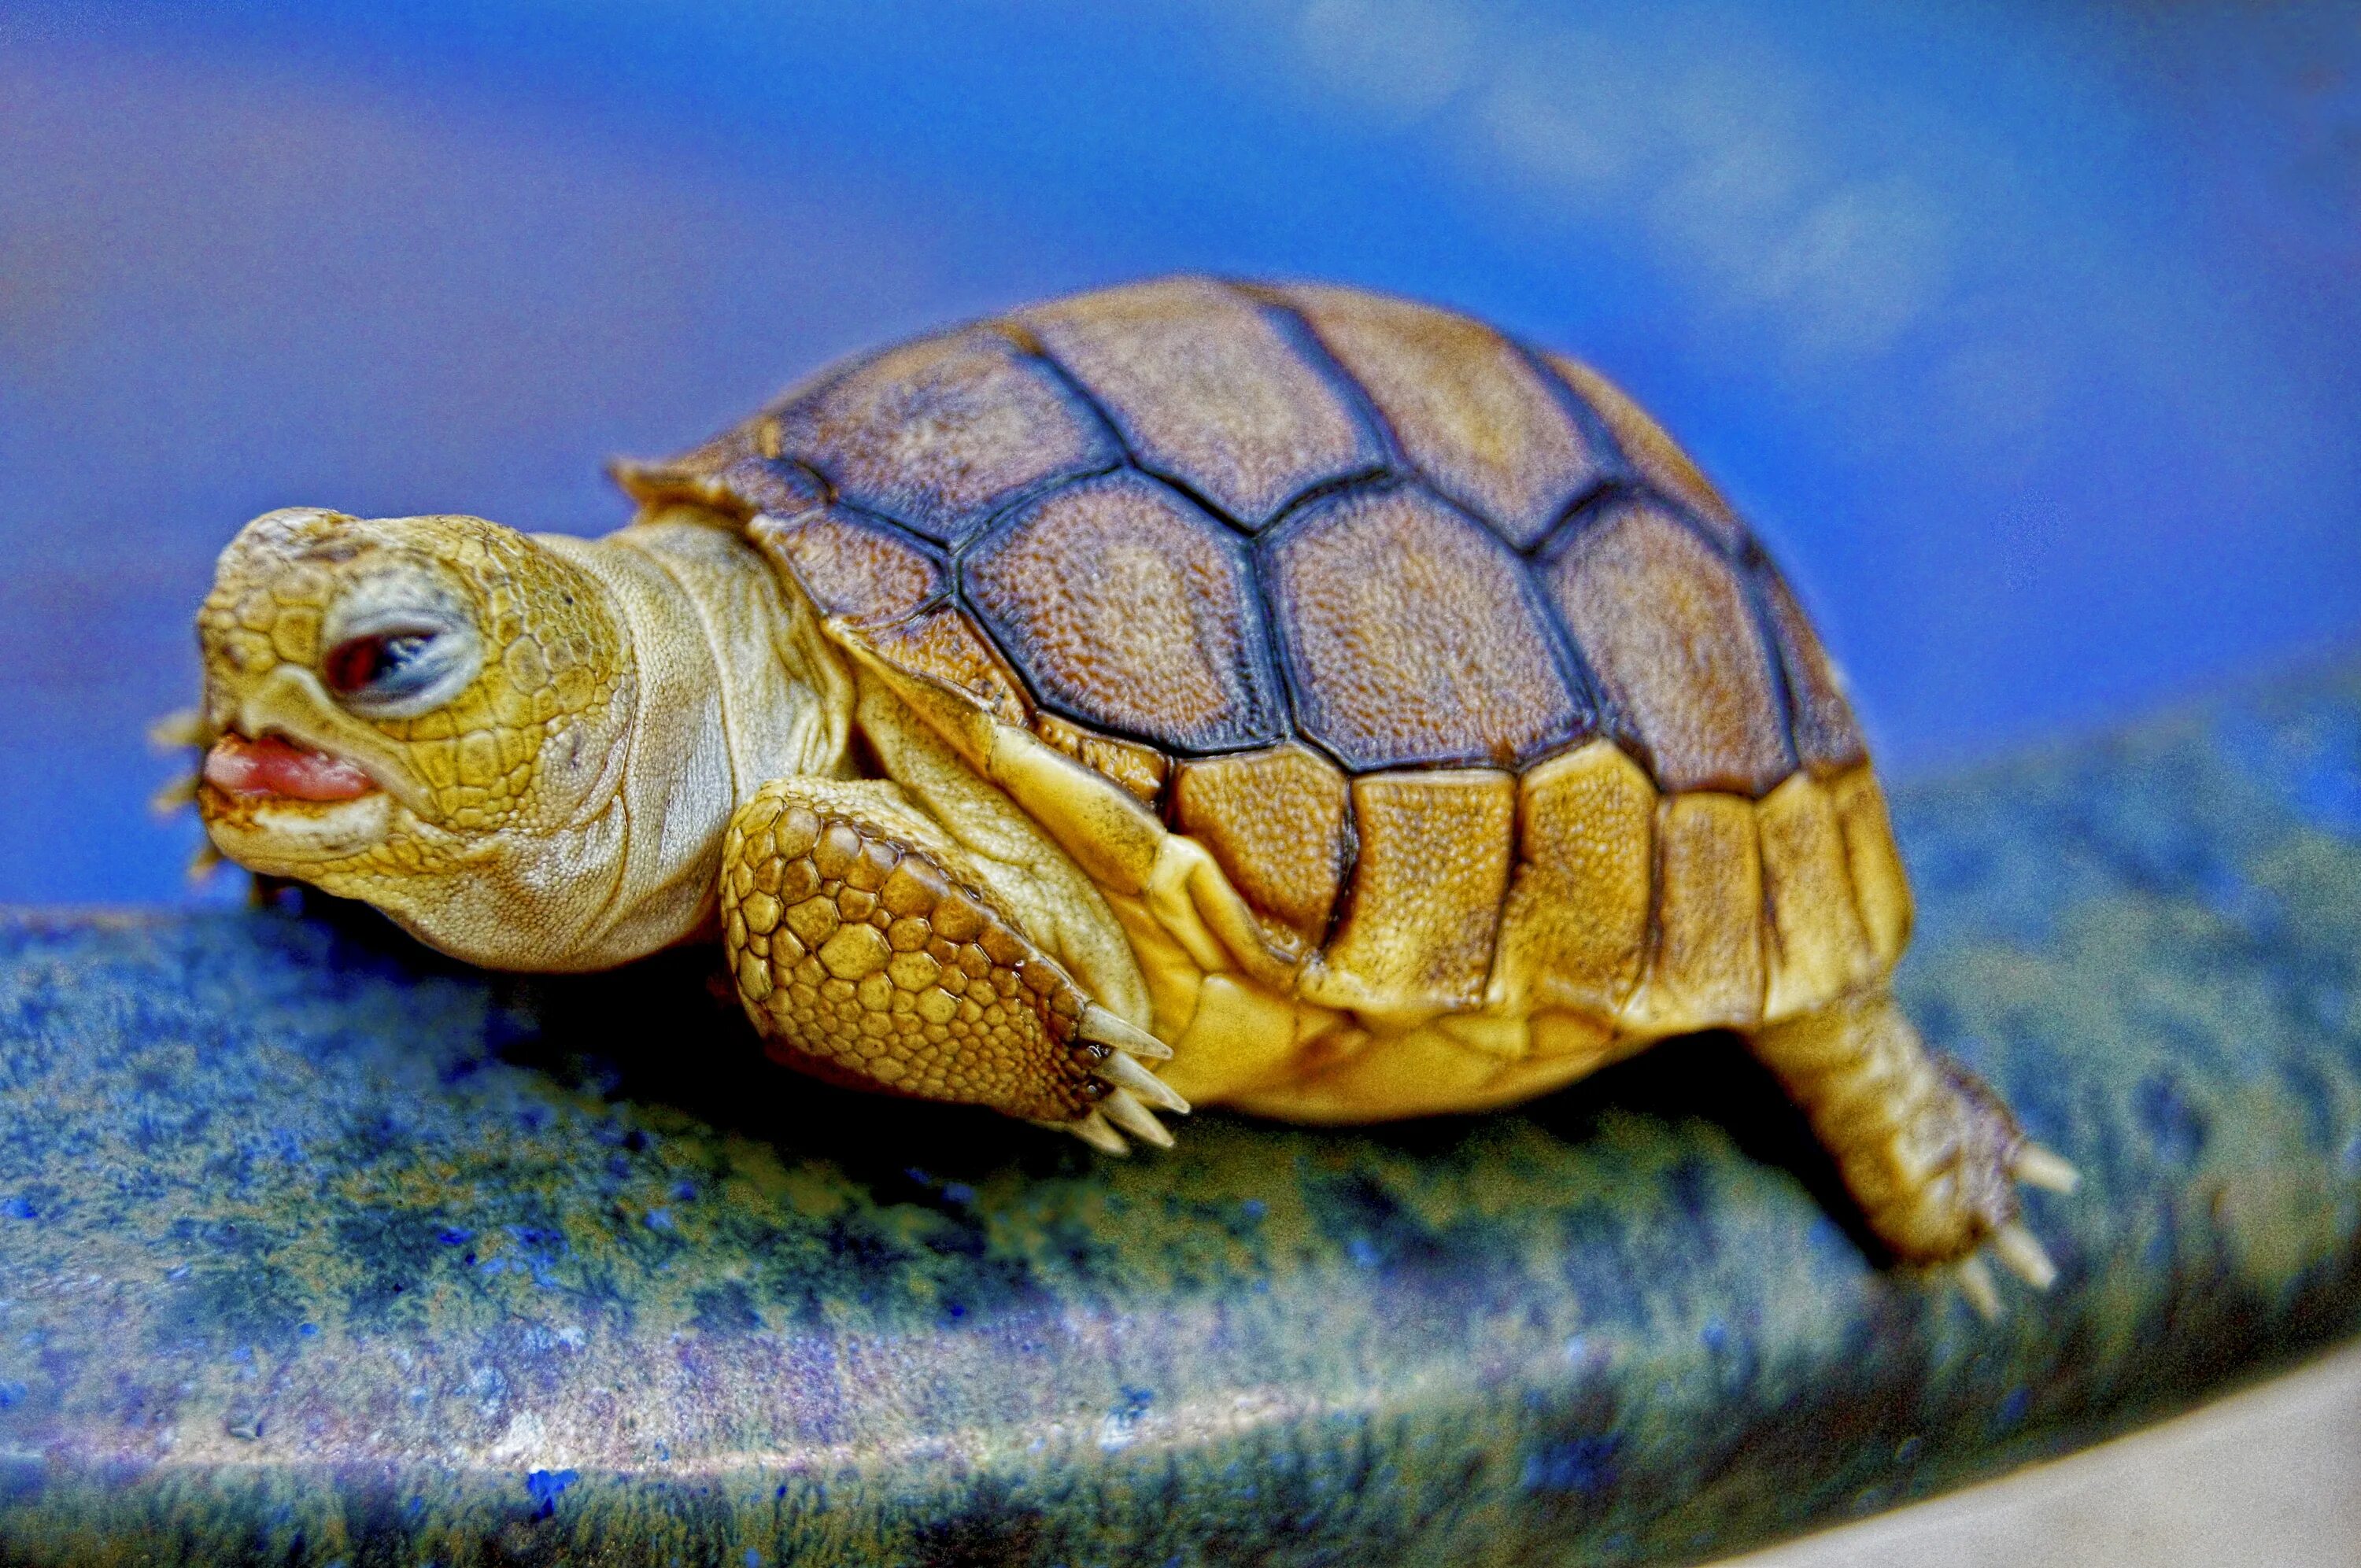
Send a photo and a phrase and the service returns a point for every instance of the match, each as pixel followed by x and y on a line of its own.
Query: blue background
pixel 2028 334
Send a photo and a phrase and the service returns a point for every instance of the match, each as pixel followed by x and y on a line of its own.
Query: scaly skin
pixel 522 746
pixel 585 699
pixel 866 948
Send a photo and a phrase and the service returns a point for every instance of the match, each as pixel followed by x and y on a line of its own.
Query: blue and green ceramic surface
pixel 314 1248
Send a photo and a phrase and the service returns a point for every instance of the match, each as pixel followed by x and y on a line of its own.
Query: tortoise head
pixel 432 714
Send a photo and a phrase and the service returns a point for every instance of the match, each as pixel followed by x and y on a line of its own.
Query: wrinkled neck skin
pixel 736 686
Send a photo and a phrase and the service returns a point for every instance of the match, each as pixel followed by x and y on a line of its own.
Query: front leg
pixel 865 948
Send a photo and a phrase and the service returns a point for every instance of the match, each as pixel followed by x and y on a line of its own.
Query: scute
pixel 1129 607
pixel 1414 635
pixel 1827 737
pixel 1277 822
pixel 940 432
pixel 1660 461
pixel 1819 947
pixel 1574 933
pixel 1434 867
pixel 1708 971
pixel 944 646
pixel 1688 672
pixel 850 566
pixel 1208 388
pixel 1476 416
pixel 738 472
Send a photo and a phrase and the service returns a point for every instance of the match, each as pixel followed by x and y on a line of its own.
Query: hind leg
pixel 866 949
pixel 1931 1155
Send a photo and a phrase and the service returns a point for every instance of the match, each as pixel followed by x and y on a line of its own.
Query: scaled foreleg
pixel 865 947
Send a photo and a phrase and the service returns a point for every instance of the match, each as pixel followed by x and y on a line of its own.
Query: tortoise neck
pixel 720 711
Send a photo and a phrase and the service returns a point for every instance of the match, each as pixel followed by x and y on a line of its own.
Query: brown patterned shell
pixel 1244 548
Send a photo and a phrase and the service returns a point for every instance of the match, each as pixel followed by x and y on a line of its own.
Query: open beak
pixel 275 767
pixel 276 807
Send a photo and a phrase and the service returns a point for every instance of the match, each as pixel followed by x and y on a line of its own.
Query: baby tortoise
pixel 1349 709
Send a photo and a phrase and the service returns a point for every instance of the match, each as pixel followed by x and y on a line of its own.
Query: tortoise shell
pixel 1237 547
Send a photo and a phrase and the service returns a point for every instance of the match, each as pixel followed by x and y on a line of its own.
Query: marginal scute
pixel 1827 739
pixel 1470 409
pixel 1412 635
pixel 1574 932
pixel 1656 455
pixel 1140 769
pixel 865 571
pixel 1669 632
pixel 1426 890
pixel 1818 948
pixel 944 646
pixel 1706 969
pixel 1207 388
pixel 940 432
pixel 1124 603
pixel 1275 822
pixel 738 472
pixel 1880 885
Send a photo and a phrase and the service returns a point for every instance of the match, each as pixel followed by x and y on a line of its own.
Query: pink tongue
pixel 271 766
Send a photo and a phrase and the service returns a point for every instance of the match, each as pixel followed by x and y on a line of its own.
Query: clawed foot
pixel 1131 1088
pixel 2012 1243
pixel 864 941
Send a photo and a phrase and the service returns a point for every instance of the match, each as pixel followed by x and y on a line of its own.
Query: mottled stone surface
pixel 314 1247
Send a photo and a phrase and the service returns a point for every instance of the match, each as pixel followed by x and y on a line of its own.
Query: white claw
pixel 1120 1069
pixel 1093 1130
pixel 174 796
pixel 1976 1285
pixel 2038 1167
pixel 1104 1026
pixel 2015 1245
pixel 1120 1108
pixel 186 726
pixel 202 863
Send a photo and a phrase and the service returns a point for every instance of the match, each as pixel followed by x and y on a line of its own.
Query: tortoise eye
pixel 358 663
pixel 400 672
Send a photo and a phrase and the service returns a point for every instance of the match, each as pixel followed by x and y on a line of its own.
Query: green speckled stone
pixel 313 1247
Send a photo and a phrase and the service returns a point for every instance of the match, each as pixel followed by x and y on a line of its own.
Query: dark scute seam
pixel 1329 489
pixel 820 481
pixel 1563 656
pixel 1274 715
pixel 1033 348
pixel 1614 461
pixel 1748 569
pixel 1349 864
pixel 1282 660
pixel 1024 496
pixel 908 535
pixel 1314 351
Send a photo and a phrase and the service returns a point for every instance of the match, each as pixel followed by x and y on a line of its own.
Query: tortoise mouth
pixel 274 768
pixel 280 808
